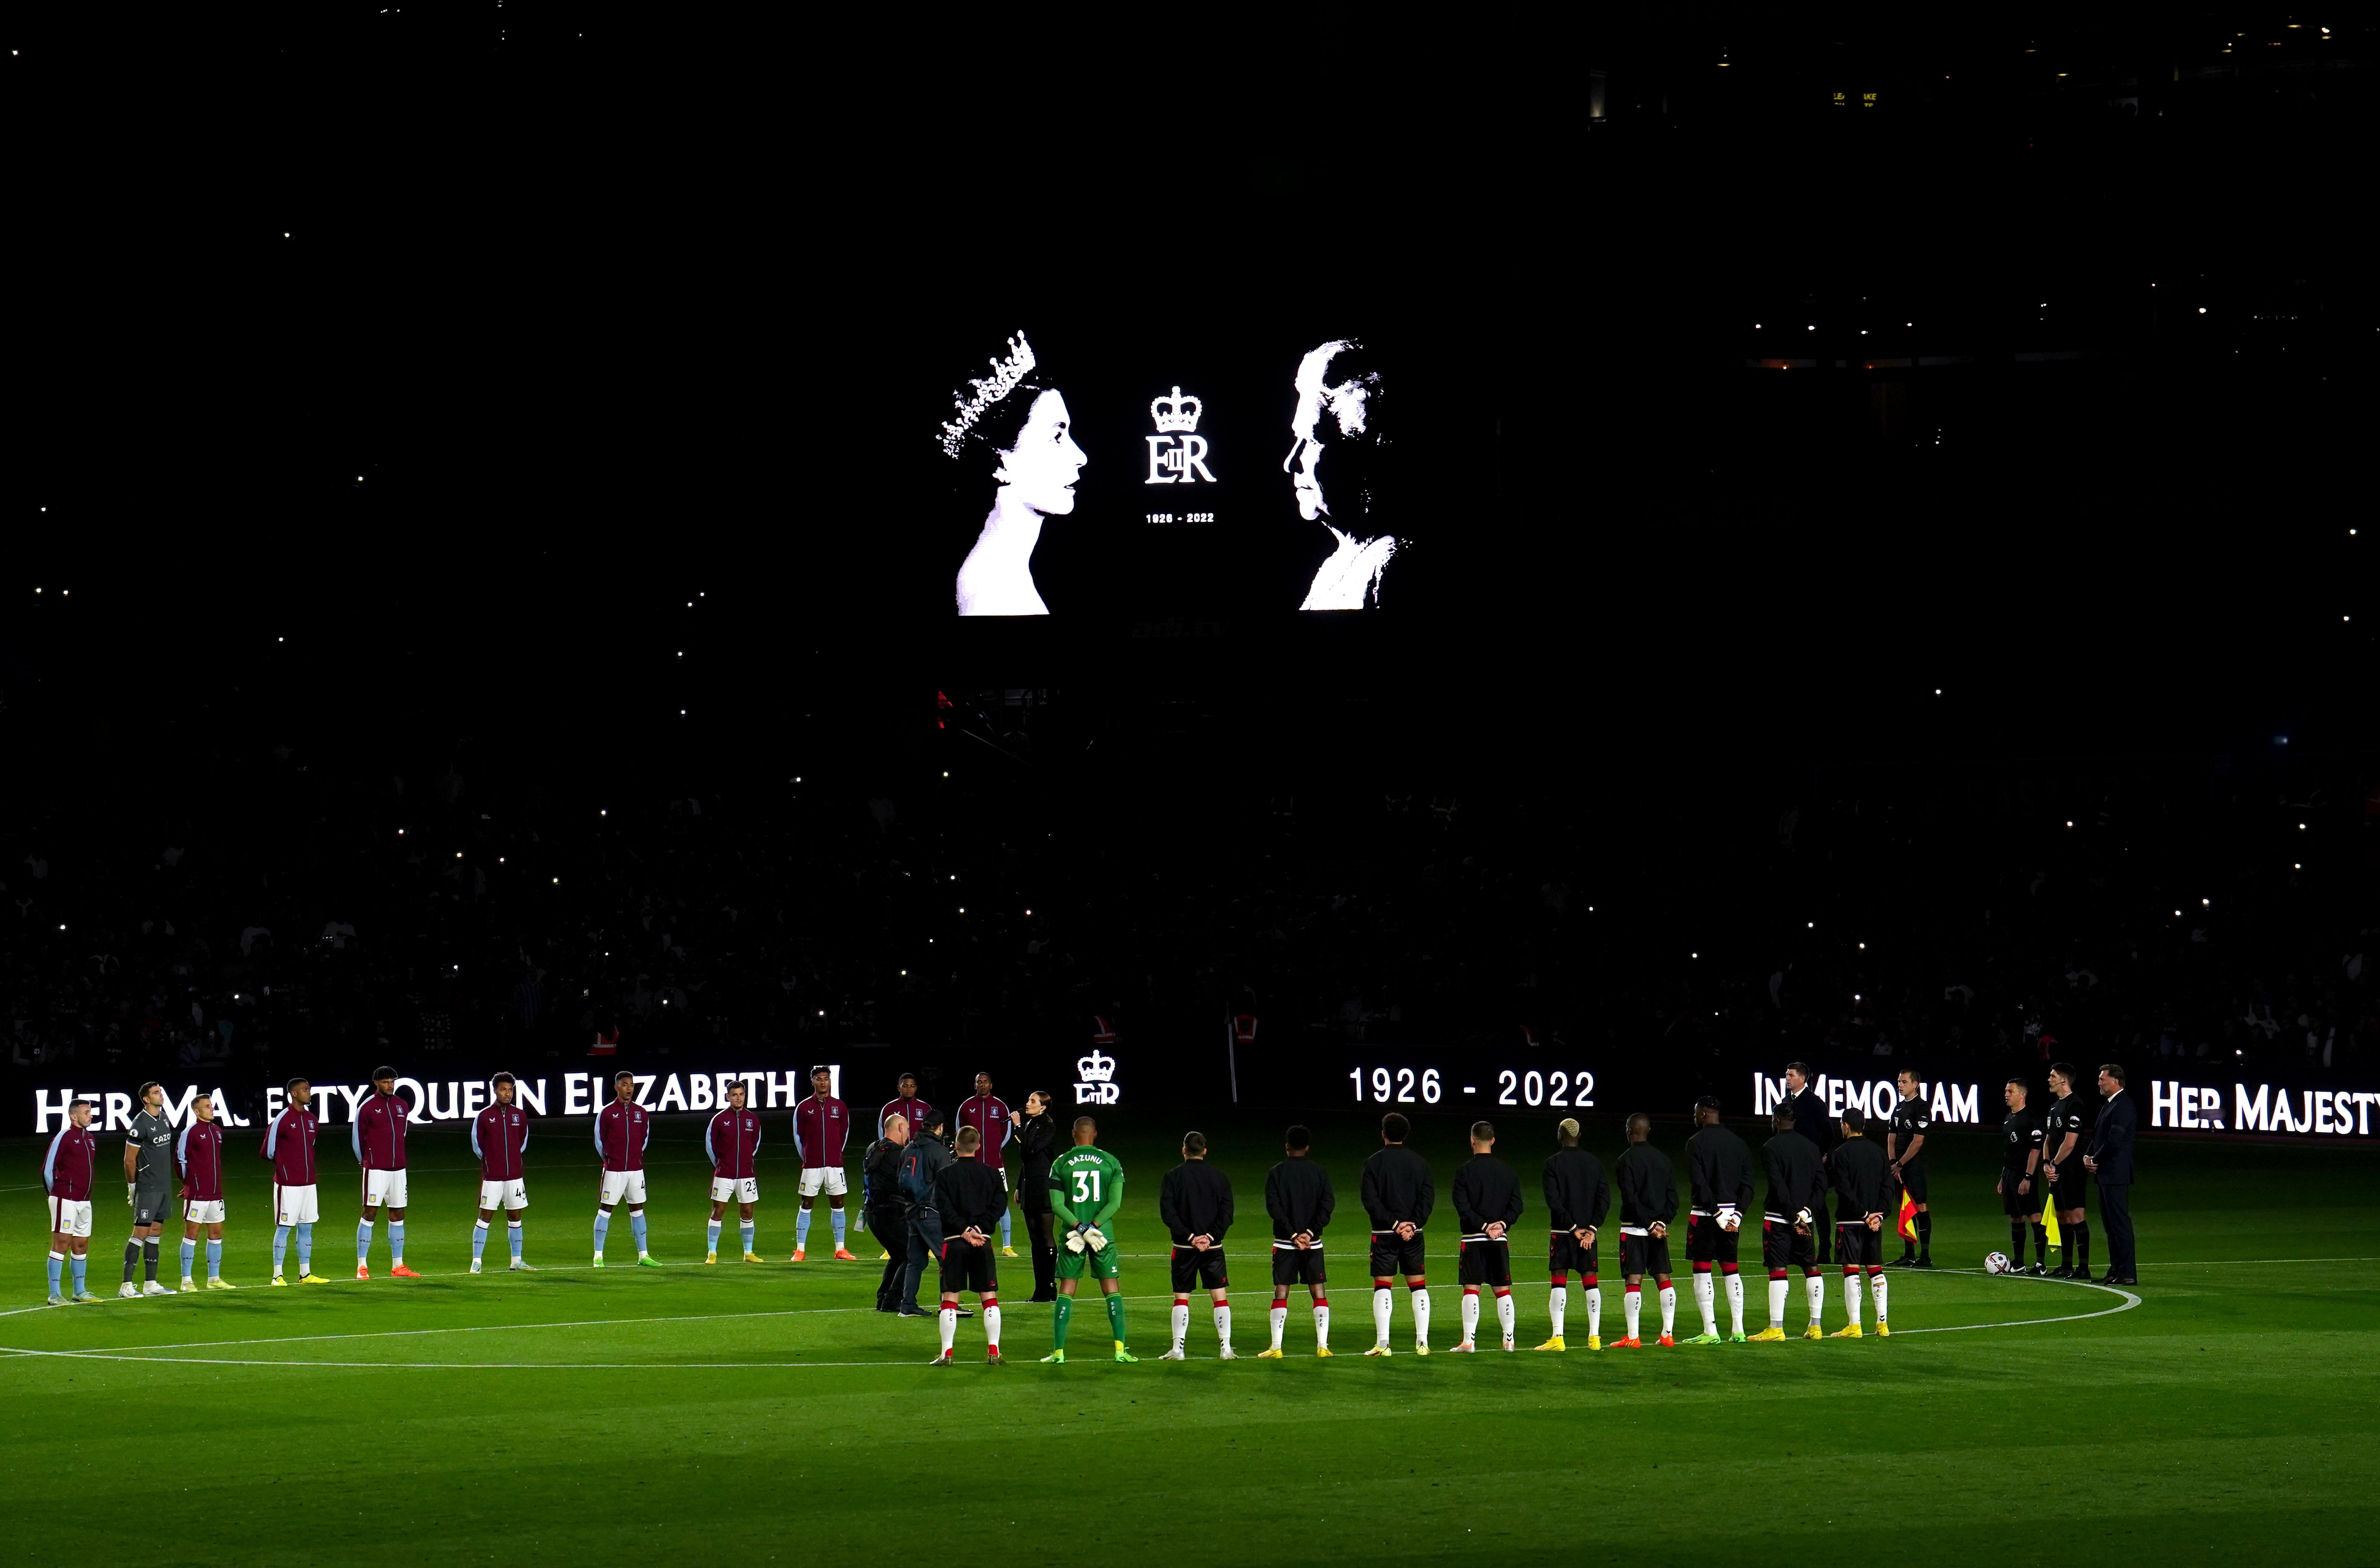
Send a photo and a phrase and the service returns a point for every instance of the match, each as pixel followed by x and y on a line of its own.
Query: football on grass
pixel 1996 1263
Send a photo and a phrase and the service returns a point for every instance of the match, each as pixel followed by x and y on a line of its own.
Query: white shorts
pixel 828 1176
pixel 383 1187
pixel 70 1216
pixel 294 1206
pixel 618 1185
pixel 512 1194
pixel 202 1210
pixel 734 1189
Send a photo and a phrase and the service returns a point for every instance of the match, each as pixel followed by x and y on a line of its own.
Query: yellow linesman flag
pixel 2050 1221
pixel 1908 1225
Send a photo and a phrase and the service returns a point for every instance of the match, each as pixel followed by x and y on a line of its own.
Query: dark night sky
pixel 462 353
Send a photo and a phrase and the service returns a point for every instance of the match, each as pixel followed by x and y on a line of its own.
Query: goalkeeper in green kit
pixel 1086 1189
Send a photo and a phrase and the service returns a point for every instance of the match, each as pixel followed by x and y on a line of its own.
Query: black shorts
pixel 155 1208
pixel 968 1267
pixel 1292 1267
pixel 1391 1257
pixel 1644 1254
pixel 2067 1193
pixel 1912 1181
pixel 1566 1256
pixel 1487 1261
pixel 1782 1247
pixel 1707 1243
pixel 1855 1244
pixel 1194 1270
pixel 2020 1205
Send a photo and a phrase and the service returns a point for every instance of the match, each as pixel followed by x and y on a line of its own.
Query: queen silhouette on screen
pixel 1014 428
pixel 1341 399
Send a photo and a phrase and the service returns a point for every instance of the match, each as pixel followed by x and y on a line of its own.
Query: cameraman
pixel 922 1161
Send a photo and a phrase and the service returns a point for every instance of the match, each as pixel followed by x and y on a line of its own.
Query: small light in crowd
pixel 458 855
pixel 1813 925
pixel 1693 955
pixel 2204 903
pixel 2201 309
pixel 961 908
pixel 2069 824
pixel 1863 947
pixel 557 882
pixel 602 813
pixel 400 832
pixel 1028 911
pixel 1937 691
pixel 280 639
pixel 500 860
pixel 2300 827
pixel 946 772
pixel 2299 867
pixel 2177 914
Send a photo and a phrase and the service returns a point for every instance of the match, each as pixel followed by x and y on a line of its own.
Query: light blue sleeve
pixel 355 1134
pixel 708 1152
pixel 648 1141
pixel 475 1138
pixel 272 1136
pixel 599 1133
pixel 50 1160
pixel 182 1145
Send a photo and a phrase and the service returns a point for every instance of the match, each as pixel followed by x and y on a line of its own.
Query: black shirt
pixel 1856 1169
pixel 1195 1200
pixel 1036 1144
pixel 1792 1163
pixel 1810 1119
pixel 1718 1169
pixel 1648 1191
pixel 2063 1117
pixel 2019 1137
pixel 1299 1198
pixel 970 1195
pixel 1912 1119
pixel 1486 1190
pixel 1577 1194
pixel 879 1178
pixel 1397 1188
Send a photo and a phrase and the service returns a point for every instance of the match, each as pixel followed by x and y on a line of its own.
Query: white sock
pixel 1181 1323
pixel 1278 1318
pixel 1876 1283
pixel 1668 1310
pixel 1380 1299
pixel 991 1327
pixel 1777 1291
pixel 1594 1312
pixel 1504 1314
pixel 1223 1325
pixel 1321 1325
pixel 1470 1315
pixel 1816 1285
pixel 1851 1298
pixel 1558 1307
pixel 1636 1304
pixel 1702 1303
pixel 949 1328
pixel 1421 1317
pixel 1735 1303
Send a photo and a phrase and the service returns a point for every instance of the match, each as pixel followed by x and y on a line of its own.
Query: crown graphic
pixel 1096 1068
pixel 985 390
pixel 1177 412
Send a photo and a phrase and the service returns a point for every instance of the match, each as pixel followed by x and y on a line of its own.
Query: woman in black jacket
pixel 1037 1136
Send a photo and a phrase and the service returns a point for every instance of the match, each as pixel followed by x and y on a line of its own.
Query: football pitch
pixel 2227 1410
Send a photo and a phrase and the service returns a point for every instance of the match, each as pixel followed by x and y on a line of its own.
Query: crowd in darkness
pixel 286 908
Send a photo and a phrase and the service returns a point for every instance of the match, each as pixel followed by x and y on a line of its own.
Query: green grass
pixel 764 1411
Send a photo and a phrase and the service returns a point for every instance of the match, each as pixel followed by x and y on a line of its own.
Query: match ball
pixel 1996 1263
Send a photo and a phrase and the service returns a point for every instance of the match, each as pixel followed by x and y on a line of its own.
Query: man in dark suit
pixel 2110 1158
pixel 1810 1119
